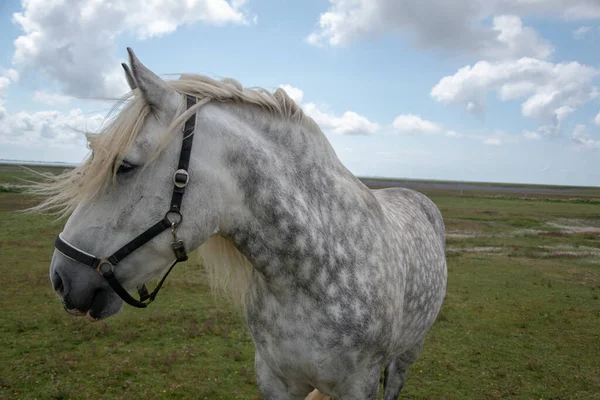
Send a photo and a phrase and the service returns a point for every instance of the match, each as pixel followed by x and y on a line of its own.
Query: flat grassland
pixel 521 319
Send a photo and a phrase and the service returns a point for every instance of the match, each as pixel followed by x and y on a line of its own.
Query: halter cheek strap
pixel 172 219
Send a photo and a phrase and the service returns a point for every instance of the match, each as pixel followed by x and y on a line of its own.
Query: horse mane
pixel 277 103
pixel 62 193
pixel 228 271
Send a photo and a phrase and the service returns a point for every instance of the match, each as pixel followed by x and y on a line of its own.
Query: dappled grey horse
pixel 336 280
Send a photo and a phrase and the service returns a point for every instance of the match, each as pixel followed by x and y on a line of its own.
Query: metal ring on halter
pixel 176 222
pixel 103 262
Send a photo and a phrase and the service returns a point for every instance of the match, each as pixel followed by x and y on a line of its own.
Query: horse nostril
pixel 57 283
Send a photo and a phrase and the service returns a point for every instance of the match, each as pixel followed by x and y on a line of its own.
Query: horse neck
pixel 295 192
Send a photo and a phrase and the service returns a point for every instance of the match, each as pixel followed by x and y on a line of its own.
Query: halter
pixel 105 266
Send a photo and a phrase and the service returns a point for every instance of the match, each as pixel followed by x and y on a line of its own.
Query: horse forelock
pixel 62 193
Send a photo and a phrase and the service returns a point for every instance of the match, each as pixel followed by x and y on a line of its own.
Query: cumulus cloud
pixel 582 137
pixel 10 73
pixel 72 41
pixel 460 25
pixel 51 99
pixel 597 119
pixel 413 124
pixel 513 40
pixel 295 94
pixel 48 127
pixel 43 128
pixel 4 82
pixel 7 76
pixel 550 91
pixel 349 123
pixel 352 123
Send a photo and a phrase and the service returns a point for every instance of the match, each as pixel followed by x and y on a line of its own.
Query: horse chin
pixel 103 305
pixel 73 311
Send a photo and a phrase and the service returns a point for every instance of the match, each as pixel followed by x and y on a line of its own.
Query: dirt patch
pixel 462 234
pixel 571 248
pixel 575 228
pixel 552 233
pixel 572 254
pixel 489 212
pixel 566 251
pixel 481 249
pixel 560 251
pixel 520 233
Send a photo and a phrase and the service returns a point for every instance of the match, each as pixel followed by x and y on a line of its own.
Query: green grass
pixel 516 324
pixel 593 189
pixel 13 177
pixel 186 343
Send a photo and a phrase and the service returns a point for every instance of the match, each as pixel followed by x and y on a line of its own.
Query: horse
pixel 336 281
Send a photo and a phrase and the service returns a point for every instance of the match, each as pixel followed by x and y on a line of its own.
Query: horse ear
pixel 154 89
pixel 129 76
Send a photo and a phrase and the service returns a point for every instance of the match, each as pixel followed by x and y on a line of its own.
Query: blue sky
pixel 494 90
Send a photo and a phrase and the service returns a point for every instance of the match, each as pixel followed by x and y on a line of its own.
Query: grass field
pixel 521 319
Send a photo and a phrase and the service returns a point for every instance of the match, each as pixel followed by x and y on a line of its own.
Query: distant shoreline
pixel 378 181
pixel 38 163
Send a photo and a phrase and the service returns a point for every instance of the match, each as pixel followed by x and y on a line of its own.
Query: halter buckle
pixel 105 267
pixel 181 178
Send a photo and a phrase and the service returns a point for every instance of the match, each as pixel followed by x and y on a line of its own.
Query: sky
pixel 486 90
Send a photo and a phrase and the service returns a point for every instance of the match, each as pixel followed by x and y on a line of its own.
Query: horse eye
pixel 125 167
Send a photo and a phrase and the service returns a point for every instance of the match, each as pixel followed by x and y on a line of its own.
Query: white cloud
pixel 493 141
pixel 563 112
pixel 532 135
pixel 413 124
pixel 582 137
pixel 551 91
pixel 45 97
pixel 10 73
pixel 48 128
pixel 597 119
pixel 581 32
pixel 4 83
pixel 7 76
pixel 350 123
pixel 295 94
pixel 453 134
pixel 72 41
pixel 457 26
pixel 513 40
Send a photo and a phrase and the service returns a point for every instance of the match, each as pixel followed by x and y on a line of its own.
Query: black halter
pixel 105 266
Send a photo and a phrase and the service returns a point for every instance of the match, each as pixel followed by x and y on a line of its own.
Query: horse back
pixel 409 208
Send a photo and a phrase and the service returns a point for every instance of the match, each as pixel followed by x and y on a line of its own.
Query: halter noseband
pixel 105 266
